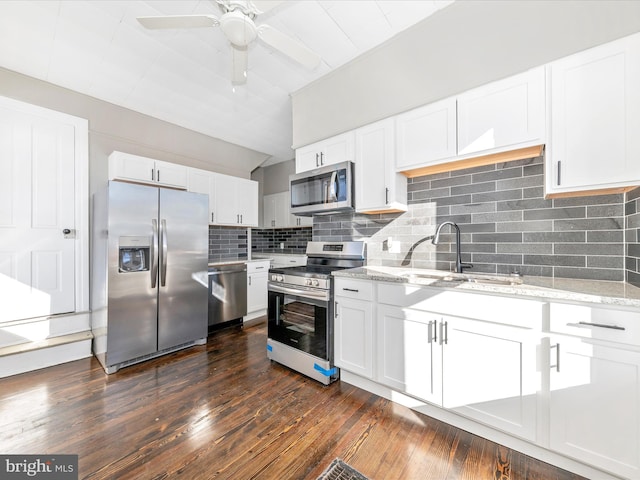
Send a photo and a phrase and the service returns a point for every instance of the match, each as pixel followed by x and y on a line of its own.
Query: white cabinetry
pixel 407 352
pixel 326 152
pixel 257 278
pixel 276 212
pixel 203 181
pixel 378 187
pixel 595 387
pixel 236 201
pixel 481 364
pixel 489 373
pixel 426 135
pixel 134 168
pixel 353 327
pixel 506 114
pixel 595 119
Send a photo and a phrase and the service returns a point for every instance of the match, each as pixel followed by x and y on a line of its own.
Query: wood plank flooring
pixel 224 411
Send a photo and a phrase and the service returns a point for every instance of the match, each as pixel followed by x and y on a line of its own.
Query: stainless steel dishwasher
pixel 227 293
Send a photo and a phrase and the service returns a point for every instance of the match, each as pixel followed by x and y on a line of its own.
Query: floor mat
pixel 338 470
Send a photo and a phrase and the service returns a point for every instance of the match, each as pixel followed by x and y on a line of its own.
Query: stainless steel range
pixel 300 311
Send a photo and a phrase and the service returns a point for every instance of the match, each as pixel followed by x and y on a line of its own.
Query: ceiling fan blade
pixel 263 6
pixel 289 46
pixel 239 63
pixel 179 21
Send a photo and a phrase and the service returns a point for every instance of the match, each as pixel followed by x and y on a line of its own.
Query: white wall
pixel 462 46
pixel 115 128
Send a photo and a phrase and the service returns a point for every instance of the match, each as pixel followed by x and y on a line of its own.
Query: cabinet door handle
pixel 317 164
pixel 158 174
pixel 557 365
pixel 350 290
pixel 249 278
pixel 241 220
pixel 559 174
pixel 386 196
pixel 444 333
pixel 212 217
pixel 430 333
pixel 598 325
pixel 335 312
pixel 321 158
pixel 153 175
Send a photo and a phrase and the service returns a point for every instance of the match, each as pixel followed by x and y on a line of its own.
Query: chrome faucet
pixel 436 238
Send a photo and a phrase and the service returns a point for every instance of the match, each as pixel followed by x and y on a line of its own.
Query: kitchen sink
pixel 482 278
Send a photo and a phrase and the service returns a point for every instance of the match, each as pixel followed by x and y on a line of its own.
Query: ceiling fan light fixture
pixel 238 28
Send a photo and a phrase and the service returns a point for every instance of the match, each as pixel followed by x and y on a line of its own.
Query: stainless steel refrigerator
pixel 150 256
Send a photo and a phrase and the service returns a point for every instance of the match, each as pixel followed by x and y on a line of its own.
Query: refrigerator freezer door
pixel 183 245
pixel 132 313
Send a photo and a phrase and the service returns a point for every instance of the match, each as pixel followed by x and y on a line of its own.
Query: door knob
pixel 66 231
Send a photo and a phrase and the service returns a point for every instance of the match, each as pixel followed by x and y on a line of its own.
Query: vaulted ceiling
pixel 183 76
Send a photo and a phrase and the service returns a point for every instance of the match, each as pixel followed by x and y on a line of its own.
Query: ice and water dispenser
pixel 133 253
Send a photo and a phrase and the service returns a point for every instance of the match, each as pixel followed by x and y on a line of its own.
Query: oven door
pixel 299 317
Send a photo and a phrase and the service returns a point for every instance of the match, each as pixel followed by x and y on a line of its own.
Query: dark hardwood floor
pixel 224 411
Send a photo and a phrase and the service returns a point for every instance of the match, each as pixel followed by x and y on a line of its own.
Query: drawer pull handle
pixel 599 325
pixel 350 290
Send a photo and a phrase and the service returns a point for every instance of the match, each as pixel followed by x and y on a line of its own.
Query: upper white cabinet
pixel 326 152
pixel 426 135
pixel 134 168
pixel 509 113
pixel 378 187
pixel 203 181
pixel 276 212
pixel 595 119
pixel 236 201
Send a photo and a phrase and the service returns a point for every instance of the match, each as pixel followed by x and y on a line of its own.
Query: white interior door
pixel 37 259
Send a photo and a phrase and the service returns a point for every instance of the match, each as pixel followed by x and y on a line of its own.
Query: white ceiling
pixel 96 47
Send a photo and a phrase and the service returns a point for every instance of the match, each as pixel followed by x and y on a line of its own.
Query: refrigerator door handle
pixel 154 253
pixel 163 253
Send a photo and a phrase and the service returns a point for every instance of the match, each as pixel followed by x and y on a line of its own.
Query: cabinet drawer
pixel 258 267
pixel 621 326
pixel 361 290
pixel 490 308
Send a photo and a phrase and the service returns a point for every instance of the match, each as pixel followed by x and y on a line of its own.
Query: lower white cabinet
pixel 490 374
pixel 257 278
pixel 482 370
pixel 594 411
pixel 564 377
pixel 594 408
pixel 353 326
pixel 408 354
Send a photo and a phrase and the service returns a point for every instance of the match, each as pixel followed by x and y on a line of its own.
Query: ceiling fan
pixel 238 25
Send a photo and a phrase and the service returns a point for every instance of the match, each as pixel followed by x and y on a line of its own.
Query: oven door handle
pixel 315 294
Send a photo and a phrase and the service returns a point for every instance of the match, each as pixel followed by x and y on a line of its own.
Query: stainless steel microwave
pixel 323 190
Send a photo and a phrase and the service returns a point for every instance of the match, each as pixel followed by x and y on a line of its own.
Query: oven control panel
pixel 302 281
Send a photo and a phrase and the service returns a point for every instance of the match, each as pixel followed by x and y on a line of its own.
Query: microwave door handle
pixel 333 187
pixel 154 253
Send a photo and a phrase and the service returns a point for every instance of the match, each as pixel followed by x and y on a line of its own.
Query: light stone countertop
pixel 544 288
